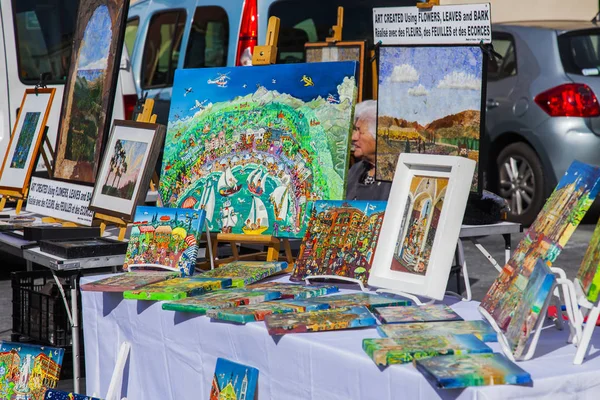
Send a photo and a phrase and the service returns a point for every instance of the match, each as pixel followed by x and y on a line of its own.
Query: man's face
pixel 363 141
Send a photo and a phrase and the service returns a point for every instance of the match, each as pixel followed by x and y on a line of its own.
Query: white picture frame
pixel 450 179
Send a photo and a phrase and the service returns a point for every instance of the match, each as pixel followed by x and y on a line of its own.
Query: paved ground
pixel 481 272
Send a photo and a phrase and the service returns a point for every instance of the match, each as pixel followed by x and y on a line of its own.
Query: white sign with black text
pixel 452 24
pixel 62 200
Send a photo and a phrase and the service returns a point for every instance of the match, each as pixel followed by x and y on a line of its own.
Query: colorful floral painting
pixel 481 329
pixel 464 370
pixel 177 288
pixel 419 224
pixel 589 271
pixel 126 162
pixel 406 348
pixel 165 237
pixel 21 153
pixel 127 281
pixel 53 394
pixel 324 320
pixel 294 291
pixel 533 304
pixel 254 146
pixel 233 381
pixel 341 239
pixel 360 299
pixel 220 299
pixel 430 102
pixel 544 240
pixel 243 273
pixel 258 312
pixel 26 371
pixel 406 314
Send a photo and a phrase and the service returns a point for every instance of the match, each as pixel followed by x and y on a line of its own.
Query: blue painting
pixel 254 146
pixel 233 381
pixel 430 101
pixel 26 371
pixel 25 141
pixel 53 394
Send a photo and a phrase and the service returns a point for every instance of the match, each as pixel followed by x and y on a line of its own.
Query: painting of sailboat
pixel 258 219
pixel 229 217
pixel 257 181
pixel 228 185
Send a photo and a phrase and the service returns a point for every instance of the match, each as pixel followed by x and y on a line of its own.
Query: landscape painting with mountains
pixel 429 102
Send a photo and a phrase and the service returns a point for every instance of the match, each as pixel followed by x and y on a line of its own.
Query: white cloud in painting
pixel 460 80
pixel 418 91
pixel 404 73
pixel 97 64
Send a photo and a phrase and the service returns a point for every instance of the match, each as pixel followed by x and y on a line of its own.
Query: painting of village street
pixel 544 239
pixel 125 162
pixel 430 101
pixel 254 146
pixel 166 237
pixel 27 370
pixel 25 141
pixel 233 381
pixel 419 224
pixel 340 240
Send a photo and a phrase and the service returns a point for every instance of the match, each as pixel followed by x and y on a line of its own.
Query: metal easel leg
pixel 460 259
pixel 209 245
pixel 487 254
pixel 507 247
pixel 590 325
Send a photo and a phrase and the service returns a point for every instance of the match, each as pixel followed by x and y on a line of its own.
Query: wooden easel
pixel 147 116
pixel 337 29
pixel 429 4
pixel 263 55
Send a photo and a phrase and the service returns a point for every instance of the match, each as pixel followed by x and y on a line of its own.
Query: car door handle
pixel 491 103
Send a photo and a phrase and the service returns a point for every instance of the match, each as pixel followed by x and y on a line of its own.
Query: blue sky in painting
pixel 367 207
pixel 96 41
pixel 228 371
pixel 589 174
pixel 427 83
pixel 285 78
pixel 33 350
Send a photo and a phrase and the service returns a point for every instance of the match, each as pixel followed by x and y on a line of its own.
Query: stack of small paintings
pixel 233 381
pixel 26 371
pixel 464 370
pixel 221 299
pixel 324 320
pixel 481 329
pixel 128 281
pixel 254 147
pixel 588 275
pixel 423 313
pixel 177 288
pixel 341 239
pixel 543 241
pixel 54 394
pixel 165 238
pixel 258 312
pixel 293 291
pixel 409 347
pixel 429 106
pixel 243 273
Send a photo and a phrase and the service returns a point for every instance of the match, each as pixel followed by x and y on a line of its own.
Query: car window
pixel 579 52
pixel 304 21
pixel 209 39
pixel 507 65
pixel 130 34
pixel 44 35
pixel 162 47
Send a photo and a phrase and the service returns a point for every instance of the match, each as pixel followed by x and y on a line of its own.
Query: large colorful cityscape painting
pixel 254 146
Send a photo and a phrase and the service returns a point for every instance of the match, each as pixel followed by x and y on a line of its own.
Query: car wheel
pixel 521 181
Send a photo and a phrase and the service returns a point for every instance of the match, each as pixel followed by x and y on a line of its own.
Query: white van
pixel 36 39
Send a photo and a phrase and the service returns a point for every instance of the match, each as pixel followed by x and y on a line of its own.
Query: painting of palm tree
pixel 125 163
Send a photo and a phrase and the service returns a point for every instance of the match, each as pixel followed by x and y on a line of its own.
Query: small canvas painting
pixel 294 291
pixel 220 299
pixel 481 329
pixel 233 381
pixel 368 300
pixel 464 370
pixel 341 239
pixel 125 166
pixel 26 371
pixel 589 271
pixel 177 289
pixel 424 313
pixel 258 312
pixel 21 153
pixel 430 102
pixel 419 224
pixel 243 273
pixel 255 146
pixel 406 348
pixel 166 237
pixel 54 394
pixel 324 320
pixel 127 281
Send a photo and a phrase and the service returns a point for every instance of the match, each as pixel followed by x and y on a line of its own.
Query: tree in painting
pixel 126 164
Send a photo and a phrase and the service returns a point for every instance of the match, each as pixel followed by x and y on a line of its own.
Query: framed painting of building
pixel 340 51
pixel 127 166
pixel 90 89
pixel 422 223
pixel 26 140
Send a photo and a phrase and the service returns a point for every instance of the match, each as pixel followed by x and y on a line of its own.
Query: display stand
pixel 116 381
pixel 147 116
pixel 336 30
pixel 428 4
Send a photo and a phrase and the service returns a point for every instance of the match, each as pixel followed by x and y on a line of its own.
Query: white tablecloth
pixel 173 356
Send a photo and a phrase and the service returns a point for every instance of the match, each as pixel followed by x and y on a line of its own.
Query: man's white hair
pixel 367 111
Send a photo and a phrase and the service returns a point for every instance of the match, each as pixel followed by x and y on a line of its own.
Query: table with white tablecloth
pixel 173 356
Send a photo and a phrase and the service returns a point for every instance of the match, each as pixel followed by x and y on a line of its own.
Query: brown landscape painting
pixel 429 102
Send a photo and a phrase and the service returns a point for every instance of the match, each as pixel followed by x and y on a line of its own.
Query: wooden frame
pixel 152 136
pixel 31 104
pixel 361 61
pixel 450 179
